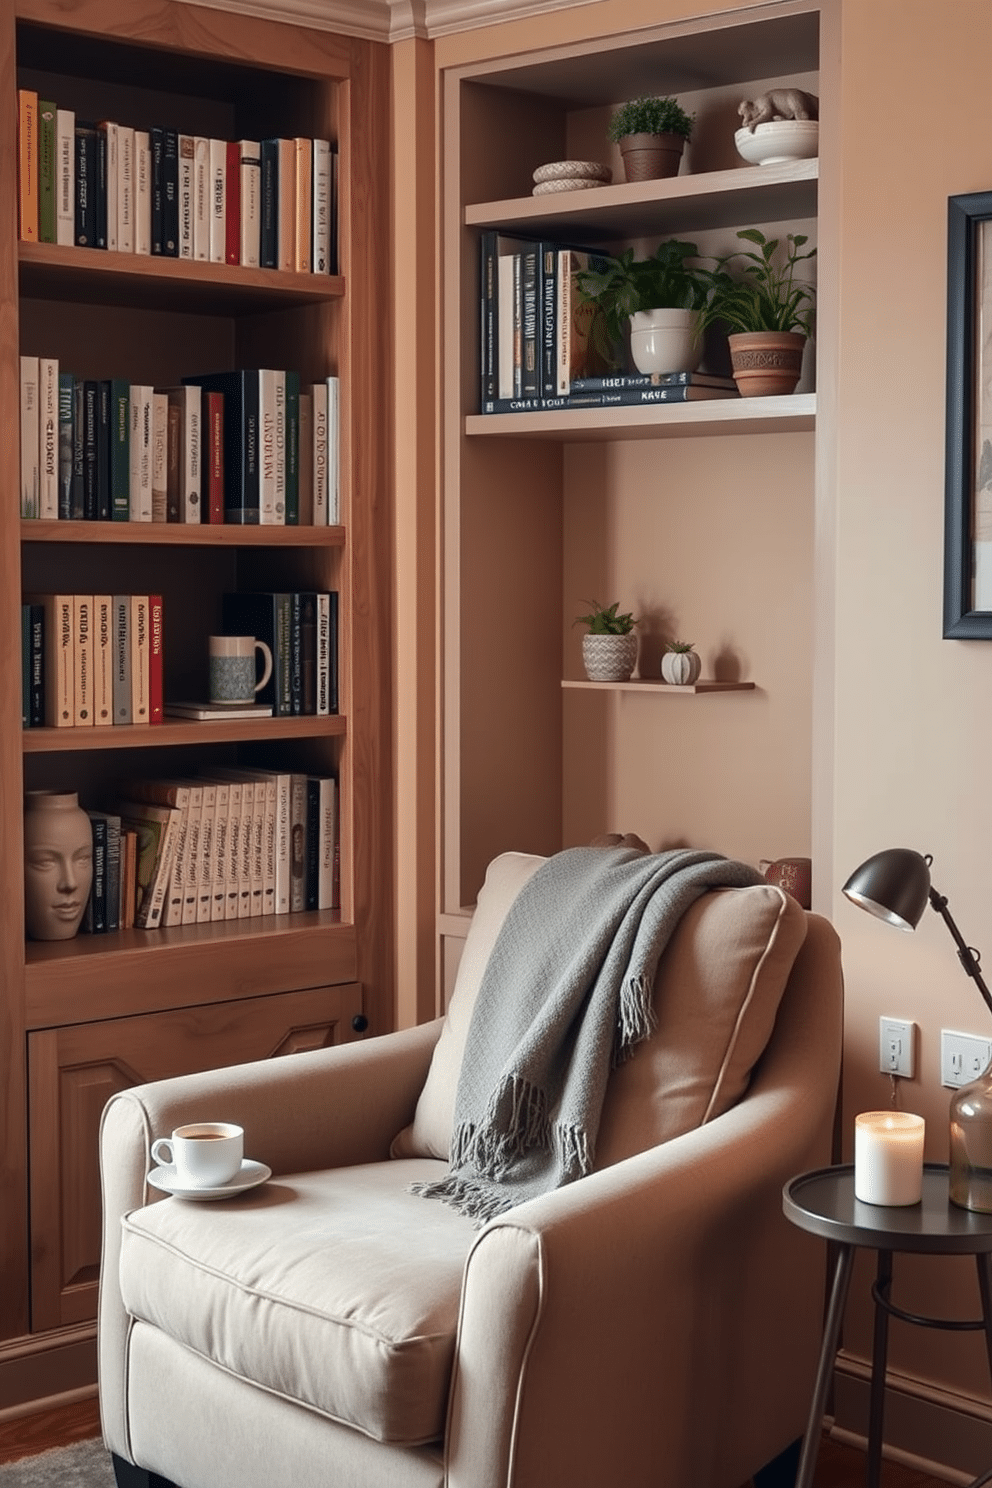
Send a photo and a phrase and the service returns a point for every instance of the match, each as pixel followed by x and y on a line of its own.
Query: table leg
pixel 828 1353
pixel 876 1409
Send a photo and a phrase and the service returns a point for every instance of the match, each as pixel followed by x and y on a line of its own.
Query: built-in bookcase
pixel 685 514
pixel 83 1018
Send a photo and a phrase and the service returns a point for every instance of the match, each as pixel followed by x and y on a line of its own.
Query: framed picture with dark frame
pixel 968 463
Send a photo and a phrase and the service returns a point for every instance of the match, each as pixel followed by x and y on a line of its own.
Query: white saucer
pixel 250 1176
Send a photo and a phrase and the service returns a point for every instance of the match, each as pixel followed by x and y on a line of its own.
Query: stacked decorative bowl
pixel 570 175
pixel 779 140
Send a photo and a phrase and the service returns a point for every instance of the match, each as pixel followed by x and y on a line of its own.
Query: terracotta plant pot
pixel 609 658
pixel 766 362
pixel 649 157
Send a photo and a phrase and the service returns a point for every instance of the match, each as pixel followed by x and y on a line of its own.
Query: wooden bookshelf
pixel 82 1018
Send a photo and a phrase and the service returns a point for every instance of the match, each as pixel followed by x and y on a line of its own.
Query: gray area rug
pixel 83 1465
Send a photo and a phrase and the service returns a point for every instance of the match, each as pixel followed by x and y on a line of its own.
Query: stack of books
pixel 91 660
pixel 230 845
pixel 247 447
pixel 268 203
pixel 537 351
pixel 301 631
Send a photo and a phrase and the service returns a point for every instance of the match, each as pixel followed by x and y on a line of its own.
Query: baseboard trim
pixel 46 1370
pixel 928 1427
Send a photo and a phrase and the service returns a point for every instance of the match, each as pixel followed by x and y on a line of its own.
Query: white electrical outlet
pixel 895 1047
pixel 963 1057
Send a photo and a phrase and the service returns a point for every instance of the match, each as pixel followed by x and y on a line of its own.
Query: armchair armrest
pixel 328 1108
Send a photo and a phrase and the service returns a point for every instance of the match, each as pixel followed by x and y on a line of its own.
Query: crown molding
pixel 392 20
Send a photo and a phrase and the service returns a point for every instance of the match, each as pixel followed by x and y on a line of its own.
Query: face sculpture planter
pixel 58 864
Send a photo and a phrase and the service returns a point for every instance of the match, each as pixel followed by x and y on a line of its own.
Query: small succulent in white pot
pixel 609 651
pixel 680 664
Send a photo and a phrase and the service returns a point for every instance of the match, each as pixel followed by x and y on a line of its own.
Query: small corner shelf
pixel 640 684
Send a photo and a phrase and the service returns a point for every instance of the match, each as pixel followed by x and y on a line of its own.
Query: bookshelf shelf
pixel 201 731
pixel 674 421
pixel 683 204
pixel 645 684
pixel 98 277
pixel 182 534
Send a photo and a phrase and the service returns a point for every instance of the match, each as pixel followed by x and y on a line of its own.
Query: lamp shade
pixel 894 885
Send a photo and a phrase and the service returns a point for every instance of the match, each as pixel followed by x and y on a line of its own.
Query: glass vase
pixel 971 1145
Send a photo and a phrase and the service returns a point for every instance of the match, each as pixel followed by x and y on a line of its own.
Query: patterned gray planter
pixel 609 658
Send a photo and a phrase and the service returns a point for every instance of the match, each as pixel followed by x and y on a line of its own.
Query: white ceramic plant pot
pixel 680 667
pixel 665 340
pixel 609 658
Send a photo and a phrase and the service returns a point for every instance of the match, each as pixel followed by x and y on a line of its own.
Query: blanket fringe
pixel 572 1151
pixel 476 1200
pixel 515 1122
pixel 636 1015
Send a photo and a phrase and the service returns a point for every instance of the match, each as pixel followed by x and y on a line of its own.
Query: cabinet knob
pixel 359 1022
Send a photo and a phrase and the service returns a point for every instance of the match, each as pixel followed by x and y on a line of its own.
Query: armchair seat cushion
pixel 337 1290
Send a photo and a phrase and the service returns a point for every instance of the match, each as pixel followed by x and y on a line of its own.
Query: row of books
pixel 98 659
pixel 247 447
pixel 91 659
pixel 537 349
pixel 268 204
pixel 230 845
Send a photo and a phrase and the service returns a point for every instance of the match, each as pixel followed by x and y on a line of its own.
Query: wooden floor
pixel 838 1466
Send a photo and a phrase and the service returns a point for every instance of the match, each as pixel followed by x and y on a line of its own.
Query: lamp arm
pixel 968 957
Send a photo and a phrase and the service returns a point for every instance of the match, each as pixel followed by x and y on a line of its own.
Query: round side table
pixel 823 1203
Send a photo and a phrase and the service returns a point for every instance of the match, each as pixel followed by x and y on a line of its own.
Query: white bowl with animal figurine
pixel 779 141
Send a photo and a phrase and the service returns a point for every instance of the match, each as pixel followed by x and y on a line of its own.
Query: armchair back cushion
pixel 716 995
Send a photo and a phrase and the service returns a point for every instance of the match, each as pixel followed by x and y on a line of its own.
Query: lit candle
pixel 888 1157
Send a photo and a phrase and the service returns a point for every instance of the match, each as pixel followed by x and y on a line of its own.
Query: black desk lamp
pixel 894 886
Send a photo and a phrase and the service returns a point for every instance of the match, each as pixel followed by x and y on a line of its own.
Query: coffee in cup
pixel 202 1154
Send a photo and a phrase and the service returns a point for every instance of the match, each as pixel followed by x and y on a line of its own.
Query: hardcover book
pixel 27 165
pixel 141 451
pixel 202 208
pixel 48 434
pixel 321 249
pixel 85 175
pixel 218 200
pixel 66 419
pixel 156 828
pixel 142 192
pixel 286 215
pixel 268 233
pixel 108 182
pixel 65 165
pixel 250 173
pixel 156 633
pixel 47 171
pixel 125 188
pixel 103 659
pixel 59 665
pixel 82 638
pixel 140 659
pixel 121 619
pixel 186 146
pixel 30 435
pixel 241 441
pixel 170 193
pixel 304 205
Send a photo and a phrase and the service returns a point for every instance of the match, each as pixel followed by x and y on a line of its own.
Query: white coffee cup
pixel 203 1154
pixel 233 669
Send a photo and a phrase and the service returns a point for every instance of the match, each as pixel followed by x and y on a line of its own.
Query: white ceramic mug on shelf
pixel 233 668
pixel 203 1154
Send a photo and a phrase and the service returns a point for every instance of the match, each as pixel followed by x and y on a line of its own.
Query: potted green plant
pixel 651 134
pixel 766 310
pixel 609 650
pixel 660 296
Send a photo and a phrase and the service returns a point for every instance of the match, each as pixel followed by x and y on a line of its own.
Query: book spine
pixel 27 165
pixel 85 212
pixel 82 631
pixel 221 853
pixel 25 666
pixel 548 319
pixel 173 460
pixel 488 328
pixel 114 866
pixel 283 843
pixel 268 203
pixel 160 457
pixel 269 824
pixel 186 146
pixel 125 188
pixel 121 654
pixel 319 395
pixel 323 655
pixel 232 203
pixel 297 896
pixel 150 909
pixel 308 654
pixel 78 489
pixel 47 171
pixel 282 655
pixel 170 193
pixel 91 435
pixel 530 386
pixel 246 857
pixel 305 460
pixel 214 458
pixel 258 849
pixel 333 451
pixel 205 867
pixel 140 491
pixel 296 653
pixel 120 450
pixel 140 652
pixel 104 430
pixel 60 672
pixel 95 914
pixel 30 438
pixel 48 430
pixel 279 383
pixel 100 187
pixel 36 665
pixel 268 417
pixel 304 205
pixel 201 199
pixel 250 163
pixel 156 633
pixel 192 454
pixel 142 191
pixel 333 648
pixel 108 146
pixel 334 210
pixel 232 865
pixel 504 319
pixel 286 216
pixel 321 250
pixel 218 199
pixel 292 460
pixel 103 660
pixel 65 154
pixel 327 877
pixel 312 845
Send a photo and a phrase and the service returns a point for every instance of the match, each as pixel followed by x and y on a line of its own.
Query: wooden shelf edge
pixel 181 534
pixel 796 412
pixel 643 684
pixel 192 731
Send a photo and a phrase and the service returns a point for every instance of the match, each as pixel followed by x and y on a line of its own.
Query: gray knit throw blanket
pixel 566 996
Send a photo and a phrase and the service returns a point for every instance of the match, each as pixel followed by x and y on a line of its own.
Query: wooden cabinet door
pixel 74 1070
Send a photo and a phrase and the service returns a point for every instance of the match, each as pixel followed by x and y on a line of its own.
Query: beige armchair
pixel 654 1325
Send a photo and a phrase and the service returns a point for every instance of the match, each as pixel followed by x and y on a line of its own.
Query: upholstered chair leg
pixel 129 1476
pixel 781 1471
